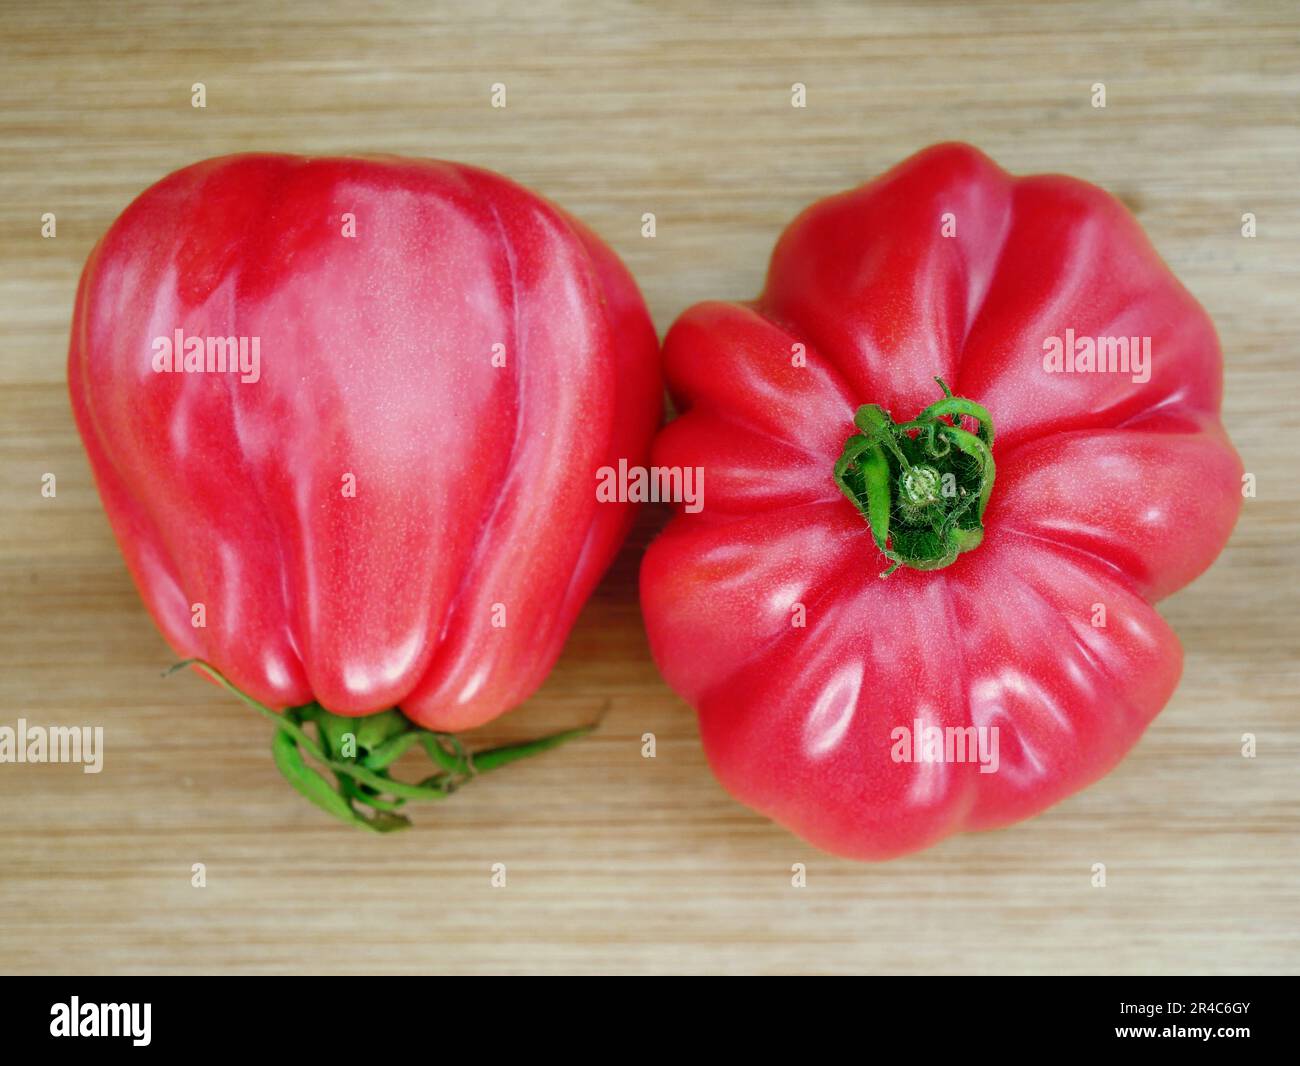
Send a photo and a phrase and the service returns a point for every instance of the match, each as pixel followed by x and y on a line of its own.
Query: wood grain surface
pixel 618 863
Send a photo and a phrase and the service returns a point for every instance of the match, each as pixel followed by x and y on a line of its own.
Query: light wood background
pixel 618 863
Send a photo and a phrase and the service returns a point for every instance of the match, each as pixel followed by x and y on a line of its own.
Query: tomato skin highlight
pixel 1110 494
pixel 472 481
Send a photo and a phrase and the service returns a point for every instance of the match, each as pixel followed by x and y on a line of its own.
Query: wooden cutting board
pixel 616 862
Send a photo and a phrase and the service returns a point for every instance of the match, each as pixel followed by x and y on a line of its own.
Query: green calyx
pixel 358 753
pixel 922 485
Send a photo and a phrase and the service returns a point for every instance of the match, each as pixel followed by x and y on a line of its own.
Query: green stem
pixel 363 781
pixel 922 485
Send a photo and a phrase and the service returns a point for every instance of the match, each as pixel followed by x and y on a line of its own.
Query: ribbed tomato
pixel 345 414
pixel 945 323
